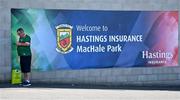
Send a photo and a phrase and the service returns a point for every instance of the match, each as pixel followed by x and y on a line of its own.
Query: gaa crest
pixel 64 38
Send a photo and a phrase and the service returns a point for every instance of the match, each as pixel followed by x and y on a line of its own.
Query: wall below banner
pixel 111 76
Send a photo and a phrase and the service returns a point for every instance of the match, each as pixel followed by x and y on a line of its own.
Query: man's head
pixel 20 32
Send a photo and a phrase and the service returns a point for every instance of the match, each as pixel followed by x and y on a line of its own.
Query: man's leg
pixel 27 76
pixel 26 79
pixel 25 62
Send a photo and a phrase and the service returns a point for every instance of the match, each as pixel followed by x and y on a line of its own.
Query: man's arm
pixel 23 44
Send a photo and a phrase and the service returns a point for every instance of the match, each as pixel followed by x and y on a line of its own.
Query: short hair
pixel 20 29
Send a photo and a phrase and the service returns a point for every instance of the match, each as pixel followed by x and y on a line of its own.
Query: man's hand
pixel 18 44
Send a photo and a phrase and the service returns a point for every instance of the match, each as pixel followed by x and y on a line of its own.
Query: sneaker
pixel 26 83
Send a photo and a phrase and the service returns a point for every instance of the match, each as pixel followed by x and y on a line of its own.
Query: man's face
pixel 20 33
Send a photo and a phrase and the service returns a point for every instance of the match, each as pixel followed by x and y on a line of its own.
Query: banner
pixel 81 39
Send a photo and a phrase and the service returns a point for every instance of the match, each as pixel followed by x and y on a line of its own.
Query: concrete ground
pixel 87 92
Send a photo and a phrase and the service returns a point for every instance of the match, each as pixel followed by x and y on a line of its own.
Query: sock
pixel 27 81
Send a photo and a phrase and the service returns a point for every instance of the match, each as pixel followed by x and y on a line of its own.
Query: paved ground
pixel 86 92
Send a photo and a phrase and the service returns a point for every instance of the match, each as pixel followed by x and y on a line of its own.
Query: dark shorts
pixel 25 62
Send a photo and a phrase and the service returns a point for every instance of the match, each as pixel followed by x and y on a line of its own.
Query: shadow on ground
pixel 88 86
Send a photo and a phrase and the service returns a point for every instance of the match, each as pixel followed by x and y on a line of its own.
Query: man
pixel 24 51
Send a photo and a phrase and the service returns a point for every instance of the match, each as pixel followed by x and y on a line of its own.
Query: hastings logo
pixel 64 38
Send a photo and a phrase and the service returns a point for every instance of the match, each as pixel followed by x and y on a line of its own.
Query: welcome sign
pixel 80 39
